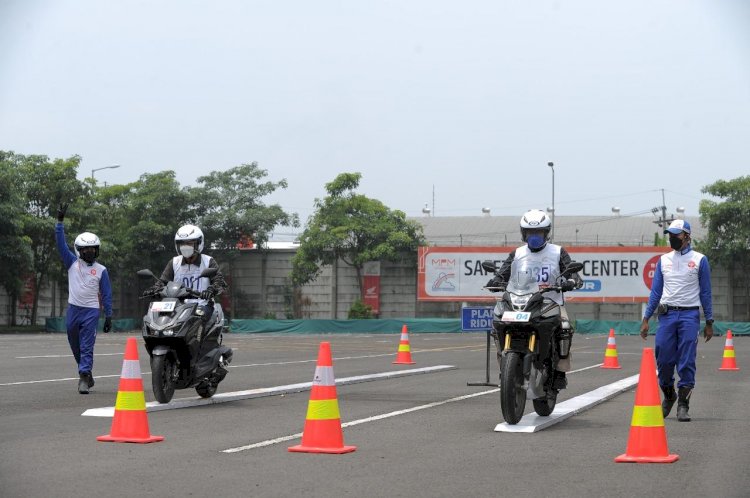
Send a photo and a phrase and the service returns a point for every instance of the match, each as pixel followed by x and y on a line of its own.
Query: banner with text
pixel 371 275
pixel 610 274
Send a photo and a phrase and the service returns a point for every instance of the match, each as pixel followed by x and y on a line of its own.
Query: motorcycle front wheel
pixel 512 392
pixel 162 377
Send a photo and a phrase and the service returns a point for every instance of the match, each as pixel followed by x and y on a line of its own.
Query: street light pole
pixel 93 181
pixel 552 165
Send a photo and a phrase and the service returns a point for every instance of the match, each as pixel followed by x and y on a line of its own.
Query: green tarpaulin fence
pixel 628 327
pixel 392 326
pixel 57 324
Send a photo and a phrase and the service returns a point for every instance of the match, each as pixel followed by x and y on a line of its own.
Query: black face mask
pixel 675 242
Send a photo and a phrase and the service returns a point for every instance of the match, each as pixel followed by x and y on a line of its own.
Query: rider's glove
pixel 152 291
pixel 495 282
pixel 568 285
pixel 61 210
pixel 107 324
pixel 208 293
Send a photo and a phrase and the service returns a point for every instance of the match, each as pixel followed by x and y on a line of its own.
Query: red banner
pixel 372 285
pixel 372 292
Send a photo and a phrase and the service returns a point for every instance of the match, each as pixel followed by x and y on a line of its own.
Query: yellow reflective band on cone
pixel 130 400
pixel 610 353
pixel 729 353
pixel 402 348
pixel 647 416
pixel 325 409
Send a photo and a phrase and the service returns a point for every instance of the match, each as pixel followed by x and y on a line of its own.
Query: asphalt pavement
pixel 421 434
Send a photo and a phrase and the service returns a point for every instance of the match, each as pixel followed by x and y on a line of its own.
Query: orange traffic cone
pixel 322 433
pixel 610 354
pixel 404 350
pixel 648 439
pixel 728 362
pixel 130 424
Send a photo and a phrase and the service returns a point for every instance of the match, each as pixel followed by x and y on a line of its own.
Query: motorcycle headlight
pixel 168 332
pixel 519 301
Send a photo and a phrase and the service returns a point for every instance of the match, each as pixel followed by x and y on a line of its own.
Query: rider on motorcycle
pixel 548 260
pixel 186 268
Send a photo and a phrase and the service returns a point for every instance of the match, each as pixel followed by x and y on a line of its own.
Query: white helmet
pixel 87 239
pixel 186 233
pixel 535 219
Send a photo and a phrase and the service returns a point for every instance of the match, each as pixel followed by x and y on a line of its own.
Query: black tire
pixel 545 406
pixel 162 377
pixel 206 389
pixel 512 392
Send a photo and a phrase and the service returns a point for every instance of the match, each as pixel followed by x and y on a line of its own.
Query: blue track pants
pixel 676 346
pixel 81 324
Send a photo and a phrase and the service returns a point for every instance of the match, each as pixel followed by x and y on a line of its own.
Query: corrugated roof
pixel 569 230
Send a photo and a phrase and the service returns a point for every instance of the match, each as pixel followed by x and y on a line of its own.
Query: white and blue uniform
pixel 682 282
pixel 88 289
pixel 179 270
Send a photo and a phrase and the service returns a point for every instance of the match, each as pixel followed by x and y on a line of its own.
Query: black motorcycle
pixel 531 339
pixel 185 347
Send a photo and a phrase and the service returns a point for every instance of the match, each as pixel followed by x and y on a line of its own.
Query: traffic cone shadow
pixel 610 354
pixel 322 432
pixel 404 349
pixel 648 438
pixel 130 423
pixel 728 361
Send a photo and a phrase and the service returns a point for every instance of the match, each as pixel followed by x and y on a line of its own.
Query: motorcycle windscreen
pixel 523 277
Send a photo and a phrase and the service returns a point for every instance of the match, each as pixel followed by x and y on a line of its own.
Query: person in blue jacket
pixel 88 289
pixel 681 285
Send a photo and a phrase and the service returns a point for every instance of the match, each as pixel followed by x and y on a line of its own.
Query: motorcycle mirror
pixel 489 266
pixel 573 267
pixel 145 273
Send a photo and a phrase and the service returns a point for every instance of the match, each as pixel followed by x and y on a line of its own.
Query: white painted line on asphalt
pixel 64 379
pixel 69 355
pixel 357 422
pixel 154 406
pixel 533 422
pixel 374 418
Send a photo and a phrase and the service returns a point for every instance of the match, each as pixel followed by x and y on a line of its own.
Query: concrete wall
pixel 261 288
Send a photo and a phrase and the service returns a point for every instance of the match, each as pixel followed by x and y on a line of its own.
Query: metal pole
pixel 552 165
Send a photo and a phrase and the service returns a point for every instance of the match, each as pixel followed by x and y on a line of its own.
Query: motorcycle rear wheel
pixel 206 389
pixel 162 377
pixel 545 406
pixel 512 392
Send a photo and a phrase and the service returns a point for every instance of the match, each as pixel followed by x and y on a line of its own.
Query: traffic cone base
pixel 728 361
pixel 610 354
pixel 404 349
pixel 130 423
pixel 322 432
pixel 647 445
pixel 647 442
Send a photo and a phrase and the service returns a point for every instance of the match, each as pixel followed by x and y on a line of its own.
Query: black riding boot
pixel 683 403
pixel 670 396
pixel 83 383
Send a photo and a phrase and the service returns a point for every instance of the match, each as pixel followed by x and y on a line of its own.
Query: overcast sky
pixel 468 99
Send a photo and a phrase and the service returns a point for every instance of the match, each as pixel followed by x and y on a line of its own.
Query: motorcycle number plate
pixel 162 306
pixel 516 316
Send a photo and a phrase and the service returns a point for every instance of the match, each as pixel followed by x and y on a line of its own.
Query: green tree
pixel 227 206
pixel 46 184
pixel 355 229
pixel 140 220
pixel 14 245
pixel 728 223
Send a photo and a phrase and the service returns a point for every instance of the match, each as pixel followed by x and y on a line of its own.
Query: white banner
pixel 610 274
